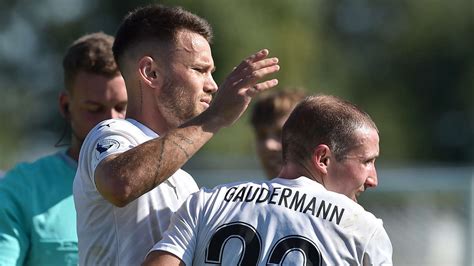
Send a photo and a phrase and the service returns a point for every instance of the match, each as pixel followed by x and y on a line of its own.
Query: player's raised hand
pixel 244 82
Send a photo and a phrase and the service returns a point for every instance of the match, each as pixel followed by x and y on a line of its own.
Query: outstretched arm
pixel 124 177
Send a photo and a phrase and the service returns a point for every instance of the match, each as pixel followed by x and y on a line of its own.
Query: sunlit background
pixel 410 64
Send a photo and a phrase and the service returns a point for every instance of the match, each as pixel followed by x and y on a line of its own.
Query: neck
pixel 293 170
pixel 151 118
pixel 143 108
pixel 73 152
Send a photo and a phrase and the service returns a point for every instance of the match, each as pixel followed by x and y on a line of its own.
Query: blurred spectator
pixel 37 215
pixel 268 116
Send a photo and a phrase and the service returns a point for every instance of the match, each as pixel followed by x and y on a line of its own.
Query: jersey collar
pixel 143 128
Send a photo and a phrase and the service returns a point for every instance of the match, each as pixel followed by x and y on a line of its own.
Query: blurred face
pixel 189 85
pixel 356 172
pixel 94 98
pixel 269 147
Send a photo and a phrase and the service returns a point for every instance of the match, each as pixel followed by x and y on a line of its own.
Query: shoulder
pixel 32 171
pixel 27 179
pixel 355 209
pixel 229 190
pixel 115 131
pixel 111 134
pixel 114 126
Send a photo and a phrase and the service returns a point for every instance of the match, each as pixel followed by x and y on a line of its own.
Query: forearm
pixel 137 171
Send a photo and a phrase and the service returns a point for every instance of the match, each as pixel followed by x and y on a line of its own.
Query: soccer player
pixel 129 180
pixel 268 115
pixel 37 215
pixel 308 215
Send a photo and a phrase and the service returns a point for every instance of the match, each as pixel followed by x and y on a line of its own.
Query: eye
pixel 121 108
pixel 198 69
pixel 370 161
pixel 94 109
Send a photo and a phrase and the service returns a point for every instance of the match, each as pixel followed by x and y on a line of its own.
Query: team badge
pixel 107 144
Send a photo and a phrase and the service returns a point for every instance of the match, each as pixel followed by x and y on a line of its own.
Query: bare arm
pixel 123 178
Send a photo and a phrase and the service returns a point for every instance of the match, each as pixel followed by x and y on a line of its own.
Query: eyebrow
pixel 90 102
pixel 206 65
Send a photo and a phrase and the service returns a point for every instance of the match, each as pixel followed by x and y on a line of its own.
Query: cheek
pixel 348 178
pixel 84 122
pixel 264 148
pixel 360 175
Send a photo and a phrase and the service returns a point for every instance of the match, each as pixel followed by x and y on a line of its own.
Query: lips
pixel 206 101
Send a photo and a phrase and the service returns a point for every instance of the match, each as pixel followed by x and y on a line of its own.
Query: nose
pixel 372 180
pixel 272 144
pixel 210 86
pixel 112 113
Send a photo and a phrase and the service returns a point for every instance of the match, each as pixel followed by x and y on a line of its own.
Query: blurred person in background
pixel 129 180
pixel 269 113
pixel 307 215
pixel 37 215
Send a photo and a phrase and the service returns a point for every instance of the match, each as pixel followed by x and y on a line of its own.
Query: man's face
pixel 189 85
pixel 356 172
pixel 95 98
pixel 269 150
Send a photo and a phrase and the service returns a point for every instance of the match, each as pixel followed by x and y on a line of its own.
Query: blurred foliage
pixel 410 64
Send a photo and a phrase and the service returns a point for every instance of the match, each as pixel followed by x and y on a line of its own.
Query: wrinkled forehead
pixel 366 141
pixel 191 40
pixel 188 42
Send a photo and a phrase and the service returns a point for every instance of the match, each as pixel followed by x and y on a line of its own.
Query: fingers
pixel 262 86
pixel 256 61
pixel 265 63
pixel 258 55
pixel 265 85
pixel 250 76
pixel 253 68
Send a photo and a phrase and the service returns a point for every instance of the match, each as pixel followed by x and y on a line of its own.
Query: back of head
pixel 325 120
pixel 272 106
pixel 92 53
pixel 155 24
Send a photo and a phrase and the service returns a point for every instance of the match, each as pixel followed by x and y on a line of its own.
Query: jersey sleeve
pixel 105 139
pixel 14 241
pixel 379 249
pixel 180 239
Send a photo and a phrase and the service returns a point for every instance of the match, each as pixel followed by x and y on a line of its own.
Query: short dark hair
pixel 156 23
pixel 322 119
pixel 90 53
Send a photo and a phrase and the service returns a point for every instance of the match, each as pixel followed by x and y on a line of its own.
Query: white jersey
pixel 109 235
pixel 277 222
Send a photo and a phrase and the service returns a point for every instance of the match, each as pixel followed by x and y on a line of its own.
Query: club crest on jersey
pixel 107 144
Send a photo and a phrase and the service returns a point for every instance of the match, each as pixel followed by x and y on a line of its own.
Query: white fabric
pixel 109 235
pixel 288 218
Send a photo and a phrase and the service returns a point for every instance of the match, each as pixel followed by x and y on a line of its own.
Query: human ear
pixel 63 103
pixel 321 158
pixel 148 71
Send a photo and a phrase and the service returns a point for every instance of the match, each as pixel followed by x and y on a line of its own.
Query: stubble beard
pixel 175 107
